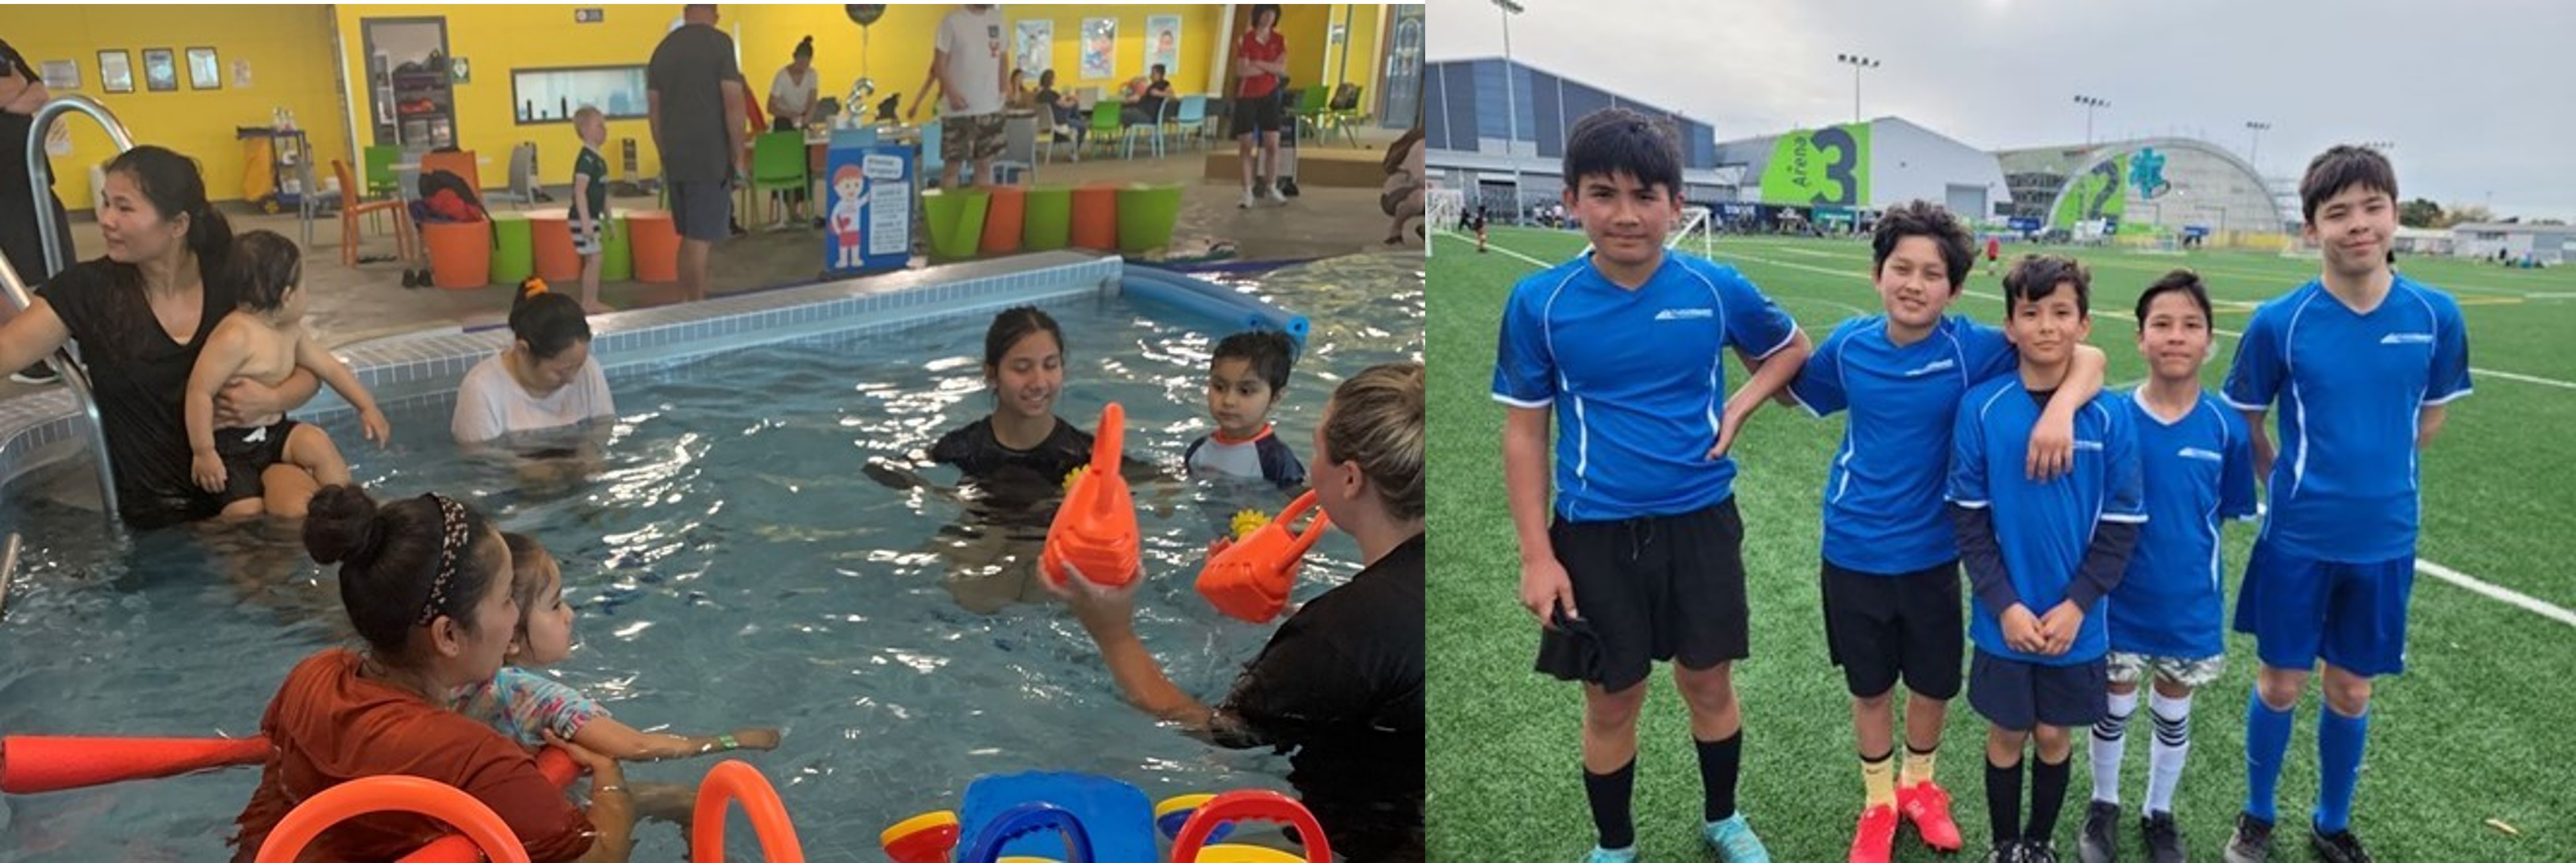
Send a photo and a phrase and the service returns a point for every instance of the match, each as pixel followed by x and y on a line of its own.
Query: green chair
pixel 778 163
pixel 514 255
pixel 1312 102
pixel 617 251
pixel 1047 224
pixel 1344 113
pixel 380 169
pixel 956 221
pixel 1146 215
pixel 1105 130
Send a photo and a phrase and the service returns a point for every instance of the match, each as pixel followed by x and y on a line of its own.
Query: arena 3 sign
pixel 1826 166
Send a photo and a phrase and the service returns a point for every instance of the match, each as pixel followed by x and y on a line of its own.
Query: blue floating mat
pixel 1117 816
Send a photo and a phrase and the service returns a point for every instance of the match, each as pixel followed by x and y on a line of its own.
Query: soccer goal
pixel 1697 230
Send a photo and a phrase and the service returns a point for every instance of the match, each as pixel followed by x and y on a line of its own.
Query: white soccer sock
pixel 2164 757
pixel 2110 739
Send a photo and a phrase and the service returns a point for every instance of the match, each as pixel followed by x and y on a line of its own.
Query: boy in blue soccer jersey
pixel 1625 347
pixel 2040 555
pixel 2361 361
pixel 1890 575
pixel 2198 462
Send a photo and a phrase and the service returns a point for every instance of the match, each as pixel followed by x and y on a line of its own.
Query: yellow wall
pixel 289 49
pixel 496 38
pixel 1191 73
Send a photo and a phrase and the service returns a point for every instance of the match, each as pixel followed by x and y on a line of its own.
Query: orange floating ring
pixel 453 848
pixel 1253 805
pixel 392 794
pixel 736 781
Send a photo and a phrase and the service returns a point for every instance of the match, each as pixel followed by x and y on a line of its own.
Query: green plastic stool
pixel 1047 223
pixel 617 255
pixel 1146 215
pixel 514 255
pixel 956 221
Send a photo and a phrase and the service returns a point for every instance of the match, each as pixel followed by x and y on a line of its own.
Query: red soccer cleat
pixel 1928 807
pixel 1875 840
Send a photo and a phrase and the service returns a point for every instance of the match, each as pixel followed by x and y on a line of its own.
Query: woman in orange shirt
pixel 426 582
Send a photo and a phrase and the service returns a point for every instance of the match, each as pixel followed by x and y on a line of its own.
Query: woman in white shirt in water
pixel 546 379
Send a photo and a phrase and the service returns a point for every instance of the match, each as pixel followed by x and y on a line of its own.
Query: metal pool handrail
pixel 73 374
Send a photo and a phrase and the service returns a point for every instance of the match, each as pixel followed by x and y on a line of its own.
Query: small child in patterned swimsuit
pixel 525 705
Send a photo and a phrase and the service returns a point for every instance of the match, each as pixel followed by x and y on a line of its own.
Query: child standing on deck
pixel 590 224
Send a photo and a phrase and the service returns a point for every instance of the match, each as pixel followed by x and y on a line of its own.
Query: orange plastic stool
pixel 1002 220
pixel 460 253
pixel 1095 217
pixel 551 236
pixel 656 244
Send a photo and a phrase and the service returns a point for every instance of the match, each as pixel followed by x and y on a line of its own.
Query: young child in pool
pixel 1246 379
pixel 265 340
pixel 525 705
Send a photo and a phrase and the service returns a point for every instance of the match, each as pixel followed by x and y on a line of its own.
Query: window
pixel 552 95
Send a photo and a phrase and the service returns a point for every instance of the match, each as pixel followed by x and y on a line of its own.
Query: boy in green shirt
pixel 590 202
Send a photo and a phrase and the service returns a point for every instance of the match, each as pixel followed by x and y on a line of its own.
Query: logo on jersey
pixel 1941 365
pixel 1685 314
pixel 2406 339
pixel 2194 452
pixel 2082 445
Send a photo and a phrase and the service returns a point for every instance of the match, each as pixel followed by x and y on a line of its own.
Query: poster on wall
pixel 1163 43
pixel 241 73
pixel 204 71
pixel 867 225
pixel 160 70
pixel 62 75
pixel 1099 48
pixel 1034 51
pixel 115 71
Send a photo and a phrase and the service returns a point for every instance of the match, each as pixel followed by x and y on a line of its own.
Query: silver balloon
pixel 861 90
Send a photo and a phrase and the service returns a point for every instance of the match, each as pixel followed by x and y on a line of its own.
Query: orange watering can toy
pixel 1095 527
pixel 1248 578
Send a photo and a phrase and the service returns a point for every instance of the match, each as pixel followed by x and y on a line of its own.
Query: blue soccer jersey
pixel 1883 491
pixel 2349 387
pixel 2198 469
pixel 2043 529
pixel 1638 379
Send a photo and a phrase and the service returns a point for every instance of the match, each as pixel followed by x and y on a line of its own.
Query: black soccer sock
pixel 2003 801
pixel 1609 795
pixel 2047 796
pixel 1719 762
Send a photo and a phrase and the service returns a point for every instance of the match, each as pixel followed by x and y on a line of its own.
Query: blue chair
pixel 1191 119
pixel 1162 115
pixel 931 164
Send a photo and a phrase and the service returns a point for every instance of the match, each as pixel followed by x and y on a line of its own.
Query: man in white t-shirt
pixel 968 66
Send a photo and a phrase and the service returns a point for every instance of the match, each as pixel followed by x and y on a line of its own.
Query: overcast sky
pixel 2479 96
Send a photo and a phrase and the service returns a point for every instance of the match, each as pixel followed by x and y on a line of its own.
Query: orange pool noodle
pixel 38 764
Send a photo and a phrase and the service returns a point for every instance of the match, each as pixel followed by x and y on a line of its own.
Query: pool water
pixel 732 567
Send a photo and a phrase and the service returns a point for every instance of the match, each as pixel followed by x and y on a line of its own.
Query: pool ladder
pixel 73 374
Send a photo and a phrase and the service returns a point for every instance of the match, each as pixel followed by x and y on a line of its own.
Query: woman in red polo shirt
pixel 1260 58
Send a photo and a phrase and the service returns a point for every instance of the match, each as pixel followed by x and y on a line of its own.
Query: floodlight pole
pixel 1511 106
pixel 1858 63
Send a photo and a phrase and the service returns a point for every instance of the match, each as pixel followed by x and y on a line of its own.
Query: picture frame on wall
pixel 115 71
pixel 204 71
pixel 160 70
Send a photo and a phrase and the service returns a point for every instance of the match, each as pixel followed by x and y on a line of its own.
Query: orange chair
pixel 351 209
pixel 1002 220
pixel 551 235
pixel 656 245
pixel 460 253
pixel 460 163
pixel 1095 217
